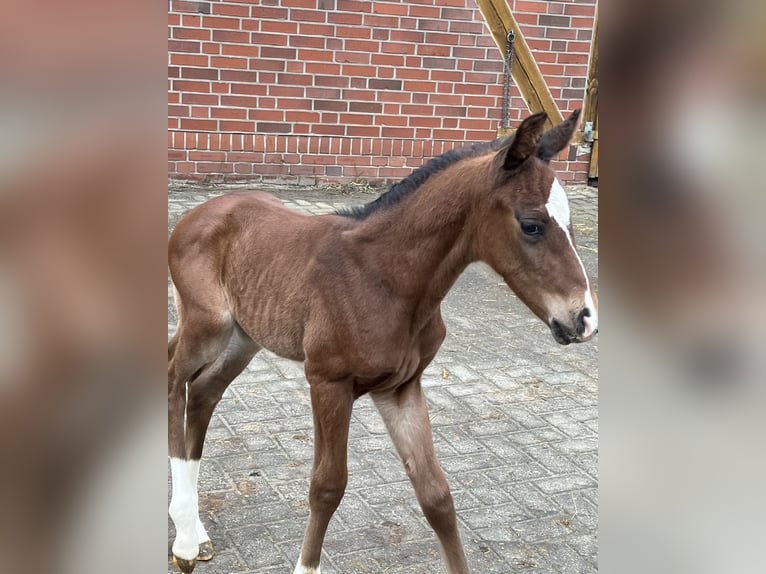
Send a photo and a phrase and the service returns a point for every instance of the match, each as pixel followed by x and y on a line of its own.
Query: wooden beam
pixel 527 75
pixel 590 111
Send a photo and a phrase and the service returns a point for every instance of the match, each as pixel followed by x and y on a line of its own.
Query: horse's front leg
pixel 405 412
pixel 331 403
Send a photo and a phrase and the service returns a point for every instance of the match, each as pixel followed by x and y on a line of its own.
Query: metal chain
pixel 505 121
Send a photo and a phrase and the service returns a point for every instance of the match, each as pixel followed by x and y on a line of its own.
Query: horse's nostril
pixel 581 320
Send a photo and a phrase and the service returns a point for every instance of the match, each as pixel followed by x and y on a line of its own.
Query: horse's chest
pixel 392 371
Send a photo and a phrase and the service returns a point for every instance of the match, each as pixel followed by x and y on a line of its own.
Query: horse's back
pixel 250 256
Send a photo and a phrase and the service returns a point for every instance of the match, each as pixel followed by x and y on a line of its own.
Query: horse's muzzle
pixel 582 330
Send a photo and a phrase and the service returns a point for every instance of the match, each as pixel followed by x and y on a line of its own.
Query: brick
pixel 447 39
pixel 407 73
pixel 354 19
pixel 211 48
pixel 328 129
pixel 565 33
pixel 556 21
pixel 331 105
pixel 331 81
pixel 457 14
pixel 453 111
pixel 199 73
pixel 356 119
pixel 440 25
pixel 190 6
pixel 355 57
pixel 249 89
pixel 410 36
pixel 307 55
pixel 269 39
pixel 363 33
pixel 416 86
pixel 279 27
pixel 239 50
pixel 279 53
pixel 231 36
pixel 295 79
pixel 466 27
pixel 366 107
pixel 229 113
pixel 189 60
pixel 361 46
pixel 220 22
pixel 191 86
pixel 322 68
pixel 184 46
pixel 239 101
pixel 273 127
pixel 580 9
pixel 231 10
pixel 377 84
pixel 191 34
pixel 206 99
pixel 259 64
pixel 228 62
pixel 397 48
pixel 207 156
pixel 441 63
pixel 488 66
pixel 433 50
pixel 308 15
pixel 374 21
pixel 238 76
pixel 418 110
pixel 355 6
pixel 237 126
pixel 569 58
pixel 198 125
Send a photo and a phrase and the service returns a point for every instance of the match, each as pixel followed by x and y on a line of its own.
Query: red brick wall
pixel 334 90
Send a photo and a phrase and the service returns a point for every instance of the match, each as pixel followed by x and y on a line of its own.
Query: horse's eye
pixel 529 228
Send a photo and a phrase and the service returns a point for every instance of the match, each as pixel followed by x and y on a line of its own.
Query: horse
pixel 355 295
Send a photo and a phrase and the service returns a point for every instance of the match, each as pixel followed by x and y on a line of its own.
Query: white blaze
pixel 558 209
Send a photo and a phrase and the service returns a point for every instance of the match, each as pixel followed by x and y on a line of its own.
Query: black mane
pixel 410 183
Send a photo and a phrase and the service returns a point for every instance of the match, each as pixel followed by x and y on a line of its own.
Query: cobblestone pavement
pixel 515 426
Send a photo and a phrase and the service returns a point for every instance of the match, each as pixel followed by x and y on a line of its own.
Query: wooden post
pixel 527 75
pixel 590 112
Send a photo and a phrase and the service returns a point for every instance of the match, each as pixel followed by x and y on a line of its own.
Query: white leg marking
pixel 299 569
pixel 183 507
pixel 558 209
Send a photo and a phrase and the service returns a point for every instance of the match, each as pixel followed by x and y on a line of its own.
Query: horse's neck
pixel 424 242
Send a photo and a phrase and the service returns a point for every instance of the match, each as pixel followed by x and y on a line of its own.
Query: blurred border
pixel 82 287
pixel 682 282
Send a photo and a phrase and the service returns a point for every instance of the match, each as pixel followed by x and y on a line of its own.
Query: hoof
pixel 185 566
pixel 205 551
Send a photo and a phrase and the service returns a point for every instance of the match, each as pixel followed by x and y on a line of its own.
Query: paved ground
pixel 515 426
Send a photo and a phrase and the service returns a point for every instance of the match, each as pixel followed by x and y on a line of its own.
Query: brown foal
pixel 356 296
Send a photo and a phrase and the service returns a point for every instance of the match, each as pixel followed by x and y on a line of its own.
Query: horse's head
pixel 526 234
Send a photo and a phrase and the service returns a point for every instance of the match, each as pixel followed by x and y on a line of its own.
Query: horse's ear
pixel 557 138
pixel 525 141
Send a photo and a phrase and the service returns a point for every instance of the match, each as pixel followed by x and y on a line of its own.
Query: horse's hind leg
pixel 405 413
pixel 202 336
pixel 205 392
